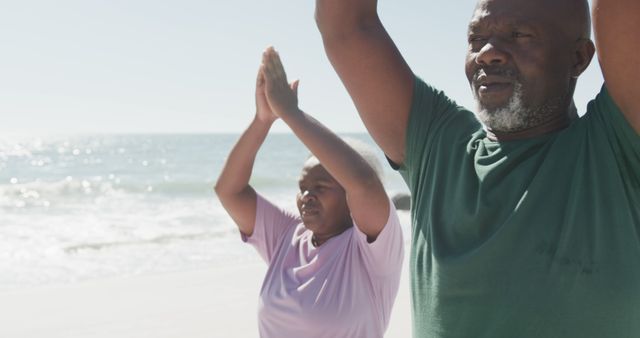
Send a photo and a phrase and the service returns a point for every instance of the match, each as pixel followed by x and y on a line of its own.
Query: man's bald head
pixel 575 14
pixel 571 17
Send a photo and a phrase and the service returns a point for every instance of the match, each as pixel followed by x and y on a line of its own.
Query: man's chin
pixel 491 106
pixel 505 119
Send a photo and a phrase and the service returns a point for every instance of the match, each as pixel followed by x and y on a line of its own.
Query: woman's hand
pixel 281 95
pixel 263 110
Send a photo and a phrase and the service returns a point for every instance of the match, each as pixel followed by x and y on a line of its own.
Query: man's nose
pixel 491 54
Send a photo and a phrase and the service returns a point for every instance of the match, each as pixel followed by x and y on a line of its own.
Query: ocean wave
pixel 13 150
pixel 78 188
pixel 159 240
pixel 41 193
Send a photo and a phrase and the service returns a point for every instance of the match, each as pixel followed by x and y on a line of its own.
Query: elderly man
pixel 526 218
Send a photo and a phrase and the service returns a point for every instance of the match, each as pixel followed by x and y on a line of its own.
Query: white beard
pixel 513 116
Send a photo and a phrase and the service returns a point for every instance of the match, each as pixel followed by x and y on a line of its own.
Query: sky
pixel 189 66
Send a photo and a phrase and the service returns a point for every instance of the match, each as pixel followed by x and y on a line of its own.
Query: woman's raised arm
pixel 232 187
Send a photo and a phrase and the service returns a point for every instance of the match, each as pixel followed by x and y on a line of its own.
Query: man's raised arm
pixel 617 28
pixel 370 66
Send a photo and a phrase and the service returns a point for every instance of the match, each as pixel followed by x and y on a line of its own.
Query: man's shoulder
pixel 435 114
pixel 604 115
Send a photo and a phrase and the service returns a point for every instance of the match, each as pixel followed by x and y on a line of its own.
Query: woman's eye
pixel 476 38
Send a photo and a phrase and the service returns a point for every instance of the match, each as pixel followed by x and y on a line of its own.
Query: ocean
pixel 82 207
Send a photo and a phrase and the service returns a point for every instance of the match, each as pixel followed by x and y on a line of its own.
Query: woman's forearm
pixel 339 159
pixel 232 186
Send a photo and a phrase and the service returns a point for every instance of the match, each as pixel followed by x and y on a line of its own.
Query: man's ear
pixel 583 54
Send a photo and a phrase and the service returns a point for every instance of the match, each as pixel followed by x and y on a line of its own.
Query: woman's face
pixel 321 201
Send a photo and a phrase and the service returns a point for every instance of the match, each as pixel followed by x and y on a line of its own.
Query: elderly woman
pixel 334 268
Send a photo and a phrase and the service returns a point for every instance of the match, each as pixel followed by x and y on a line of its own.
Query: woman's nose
pixel 306 195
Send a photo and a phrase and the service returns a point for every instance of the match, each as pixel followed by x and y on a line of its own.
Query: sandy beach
pixel 218 302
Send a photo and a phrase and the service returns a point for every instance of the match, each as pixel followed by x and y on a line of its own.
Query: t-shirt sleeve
pixel 384 255
pixel 272 223
pixel 434 120
pixel 623 139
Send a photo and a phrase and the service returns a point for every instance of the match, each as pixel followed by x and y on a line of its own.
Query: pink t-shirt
pixel 344 288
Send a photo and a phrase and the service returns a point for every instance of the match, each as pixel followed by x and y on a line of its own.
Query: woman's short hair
pixel 366 151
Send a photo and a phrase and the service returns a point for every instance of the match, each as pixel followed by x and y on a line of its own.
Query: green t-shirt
pixel 529 238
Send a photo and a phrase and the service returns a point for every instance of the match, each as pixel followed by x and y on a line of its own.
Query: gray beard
pixel 515 115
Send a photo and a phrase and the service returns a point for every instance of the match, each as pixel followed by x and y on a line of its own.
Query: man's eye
pixel 519 35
